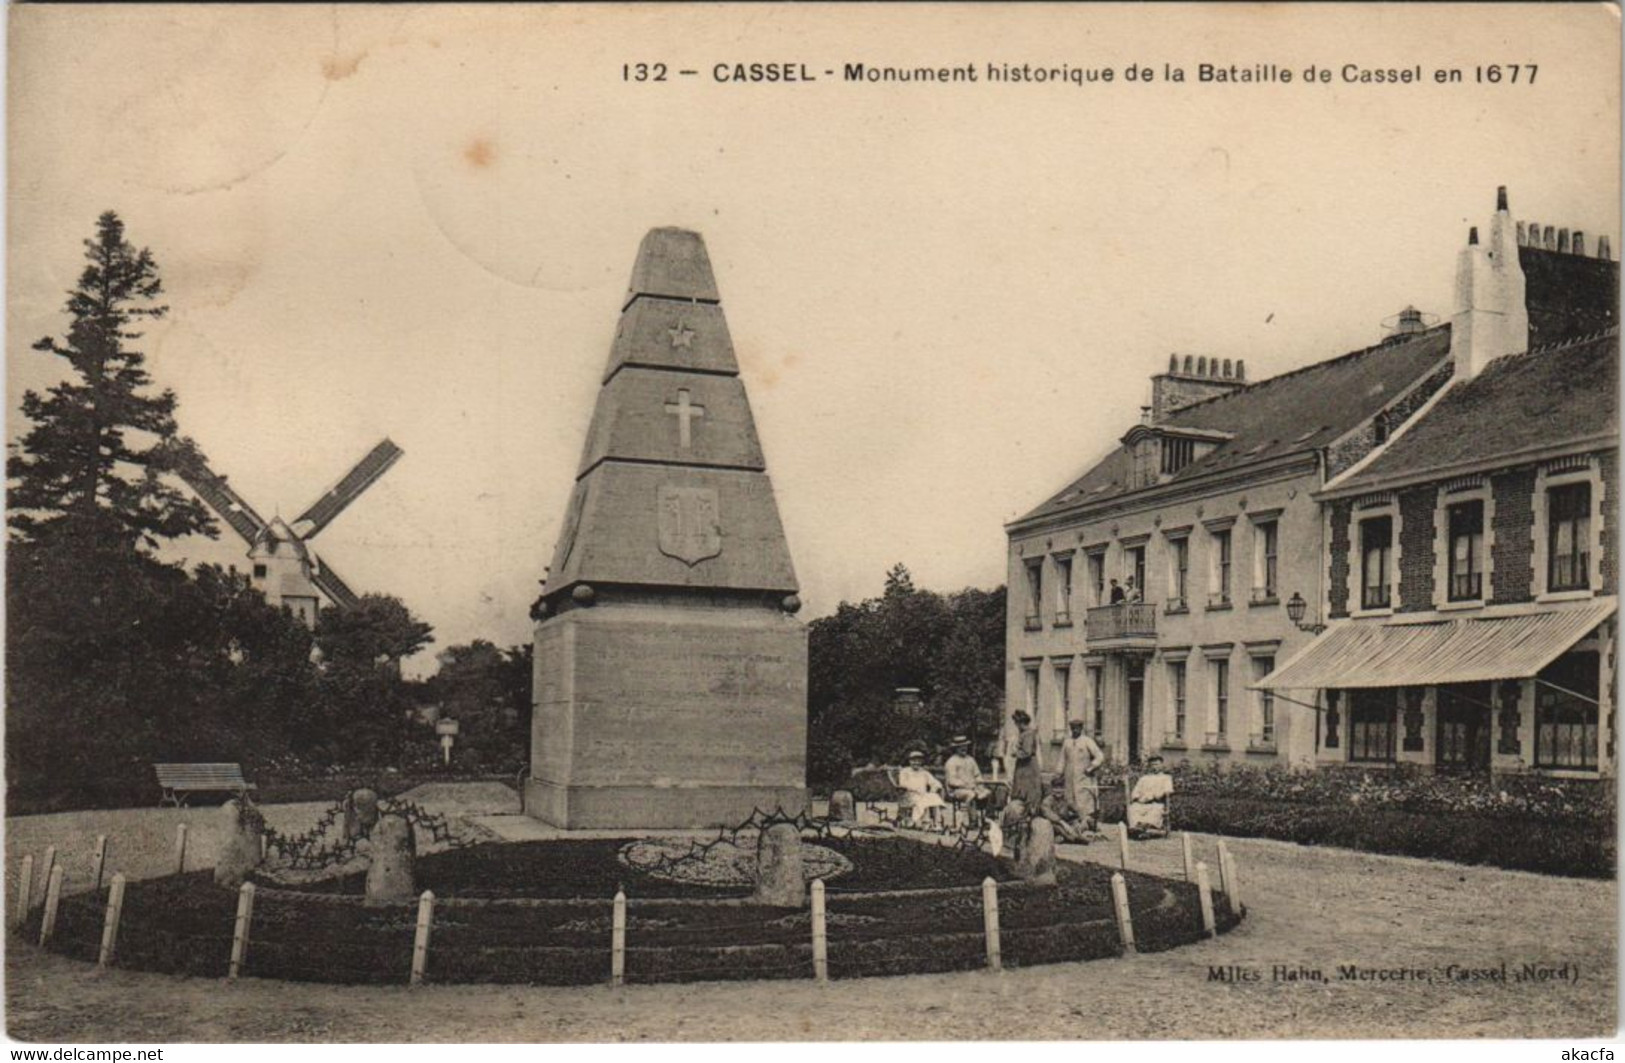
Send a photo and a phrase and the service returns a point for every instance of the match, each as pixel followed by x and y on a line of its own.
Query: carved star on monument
pixel 682 337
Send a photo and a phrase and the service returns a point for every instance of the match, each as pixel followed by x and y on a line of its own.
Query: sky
pixel 947 299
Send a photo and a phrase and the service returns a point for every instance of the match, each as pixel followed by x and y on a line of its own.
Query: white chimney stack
pixel 1491 318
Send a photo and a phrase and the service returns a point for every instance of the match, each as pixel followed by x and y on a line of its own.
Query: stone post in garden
pixel 360 813
pixel 1036 861
pixel 843 808
pixel 779 877
pixel 242 843
pixel 390 875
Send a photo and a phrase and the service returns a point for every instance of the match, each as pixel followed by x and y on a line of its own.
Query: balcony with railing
pixel 1126 625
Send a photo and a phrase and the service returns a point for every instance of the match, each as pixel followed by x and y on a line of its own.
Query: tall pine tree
pixel 87 474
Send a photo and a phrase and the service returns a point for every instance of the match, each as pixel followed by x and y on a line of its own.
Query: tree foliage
pixel 950 647
pixel 487 691
pixel 115 659
pixel 88 469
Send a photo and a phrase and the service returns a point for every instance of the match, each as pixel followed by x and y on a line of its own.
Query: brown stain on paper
pixel 480 153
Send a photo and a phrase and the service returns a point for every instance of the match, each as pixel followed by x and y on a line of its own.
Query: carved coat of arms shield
pixel 690 529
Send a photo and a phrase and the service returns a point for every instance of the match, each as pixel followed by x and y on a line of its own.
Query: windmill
pixel 284 567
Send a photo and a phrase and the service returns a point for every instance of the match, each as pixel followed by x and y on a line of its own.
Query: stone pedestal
pixel 242 845
pixel 780 878
pixel 1036 862
pixel 394 851
pixel 843 808
pixel 650 714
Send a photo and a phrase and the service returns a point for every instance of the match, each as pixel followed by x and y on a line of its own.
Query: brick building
pixel 1220 506
pixel 1472 575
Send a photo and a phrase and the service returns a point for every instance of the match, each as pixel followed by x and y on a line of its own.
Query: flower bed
pixel 487 930
pixel 1562 827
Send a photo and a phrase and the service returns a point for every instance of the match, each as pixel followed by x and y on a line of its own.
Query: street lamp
pixel 1296 607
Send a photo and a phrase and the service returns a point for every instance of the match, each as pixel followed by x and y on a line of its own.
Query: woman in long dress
pixel 1026 785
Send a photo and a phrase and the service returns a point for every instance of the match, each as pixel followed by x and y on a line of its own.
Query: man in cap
pixel 922 793
pixel 963 776
pixel 1081 758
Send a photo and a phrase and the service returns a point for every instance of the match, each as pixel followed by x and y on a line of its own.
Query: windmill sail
pixel 219 496
pixel 329 583
pixel 341 494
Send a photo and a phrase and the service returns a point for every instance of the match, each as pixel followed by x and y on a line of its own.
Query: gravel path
pixel 1310 908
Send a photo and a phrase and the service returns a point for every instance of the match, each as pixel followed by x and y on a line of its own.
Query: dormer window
pixel 1158 453
pixel 1176 454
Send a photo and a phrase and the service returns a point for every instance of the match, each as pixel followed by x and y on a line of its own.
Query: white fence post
pixel 180 848
pixel 617 941
pixel 115 908
pixel 25 891
pixel 1204 893
pixel 1125 921
pixel 239 933
pixel 1189 857
pixel 98 861
pixel 820 939
pixel 420 943
pixel 1227 873
pixel 990 923
pixel 53 897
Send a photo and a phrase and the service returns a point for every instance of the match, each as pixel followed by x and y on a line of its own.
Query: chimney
pixel 1563 241
pixel 1523 237
pixel 1190 380
pixel 1604 251
pixel 1579 245
pixel 1490 317
pixel 1410 320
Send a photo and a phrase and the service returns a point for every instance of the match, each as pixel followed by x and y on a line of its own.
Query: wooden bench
pixel 182 780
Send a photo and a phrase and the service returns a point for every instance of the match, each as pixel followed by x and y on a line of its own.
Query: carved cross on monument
pixel 686 411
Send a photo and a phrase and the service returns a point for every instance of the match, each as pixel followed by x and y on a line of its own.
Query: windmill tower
pixel 284 568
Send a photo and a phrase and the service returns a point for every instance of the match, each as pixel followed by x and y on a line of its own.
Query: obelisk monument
pixel 670 670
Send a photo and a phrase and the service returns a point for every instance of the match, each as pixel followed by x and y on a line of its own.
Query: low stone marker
pixel 1036 862
pixel 779 880
pixel 843 807
pixel 394 851
pixel 360 813
pixel 242 843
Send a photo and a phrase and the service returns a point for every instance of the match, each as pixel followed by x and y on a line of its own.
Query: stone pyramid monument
pixel 670 670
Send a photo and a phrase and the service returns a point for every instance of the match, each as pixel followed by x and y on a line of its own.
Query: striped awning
pixel 1468 650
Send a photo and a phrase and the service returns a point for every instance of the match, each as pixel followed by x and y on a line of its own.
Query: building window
pixel 1030 690
pixel 1176 694
pixel 1568 516
pixel 1263 666
pixel 1063 590
pixel 1176 454
pixel 1179 564
pixel 1221 698
pixel 1063 701
pixel 1097 579
pixel 1221 568
pixel 1376 557
pixel 1035 593
pixel 1466 575
pixel 1097 698
pixel 259 571
pixel 1566 713
pixel 1266 543
pixel 1371 725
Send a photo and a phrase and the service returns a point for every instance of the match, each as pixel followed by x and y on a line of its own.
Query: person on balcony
pixel 922 793
pixel 1148 801
pixel 1119 595
pixel 1133 591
